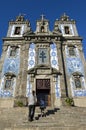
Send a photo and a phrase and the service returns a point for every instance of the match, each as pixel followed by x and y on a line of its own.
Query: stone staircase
pixel 64 118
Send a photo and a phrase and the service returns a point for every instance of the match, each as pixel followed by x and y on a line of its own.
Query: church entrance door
pixel 43 91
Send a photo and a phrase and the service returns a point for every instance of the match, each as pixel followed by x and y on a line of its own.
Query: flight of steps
pixel 64 118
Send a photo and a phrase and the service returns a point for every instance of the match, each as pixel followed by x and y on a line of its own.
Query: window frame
pixel 67 30
pixel 77 79
pixel 8 78
pixel 17 30
pixel 71 49
pixel 13 51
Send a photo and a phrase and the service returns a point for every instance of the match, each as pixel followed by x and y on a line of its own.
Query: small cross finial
pixel 42 16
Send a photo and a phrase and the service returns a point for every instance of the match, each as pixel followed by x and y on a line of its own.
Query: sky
pixel 52 9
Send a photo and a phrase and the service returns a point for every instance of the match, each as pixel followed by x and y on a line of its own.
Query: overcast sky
pixel 52 9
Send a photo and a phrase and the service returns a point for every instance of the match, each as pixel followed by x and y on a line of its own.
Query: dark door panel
pixel 43 91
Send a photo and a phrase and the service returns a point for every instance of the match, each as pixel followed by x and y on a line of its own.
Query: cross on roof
pixel 42 16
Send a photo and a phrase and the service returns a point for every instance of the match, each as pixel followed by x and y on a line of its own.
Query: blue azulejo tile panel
pixel 31 56
pixel 74 65
pixel 28 87
pixel 6 93
pixel 11 65
pixel 10 92
pixel 79 93
pixel 57 87
pixel 53 56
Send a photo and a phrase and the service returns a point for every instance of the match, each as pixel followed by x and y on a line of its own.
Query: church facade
pixel 50 62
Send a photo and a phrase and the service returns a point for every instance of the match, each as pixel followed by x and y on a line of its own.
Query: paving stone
pixel 63 119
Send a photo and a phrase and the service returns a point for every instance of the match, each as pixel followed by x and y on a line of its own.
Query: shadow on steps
pixel 47 113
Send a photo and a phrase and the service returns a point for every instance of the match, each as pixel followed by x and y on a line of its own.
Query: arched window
pixel 42 28
pixel 9 80
pixel 71 50
pixel 17 31
pixel 77 80
pixel 13 51
pixel 67 31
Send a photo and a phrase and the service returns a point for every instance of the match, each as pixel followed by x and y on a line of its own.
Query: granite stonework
pixel 50 62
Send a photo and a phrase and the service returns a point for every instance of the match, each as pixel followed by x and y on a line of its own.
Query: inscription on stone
pixel 43 71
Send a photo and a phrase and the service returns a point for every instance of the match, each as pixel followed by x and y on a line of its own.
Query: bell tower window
pixel 67 31
pixel 17 30
pixel 42 28
pixel 71 51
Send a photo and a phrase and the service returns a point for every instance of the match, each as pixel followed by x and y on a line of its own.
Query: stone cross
pixel 42 55
pixel 42 16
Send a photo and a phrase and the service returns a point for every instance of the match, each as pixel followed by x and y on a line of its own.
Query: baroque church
pixel 50 62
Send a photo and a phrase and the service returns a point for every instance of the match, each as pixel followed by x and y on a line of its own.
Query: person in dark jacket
pixel 31 103
pixel 42 106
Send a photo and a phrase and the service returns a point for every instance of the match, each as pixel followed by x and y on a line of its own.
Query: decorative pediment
pixel 10 74
pixel 77 74
pixel 43 69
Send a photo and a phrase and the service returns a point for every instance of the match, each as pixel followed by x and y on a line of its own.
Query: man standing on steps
pixel 32 100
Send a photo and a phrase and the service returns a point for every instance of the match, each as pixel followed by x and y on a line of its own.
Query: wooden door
pixel 43 90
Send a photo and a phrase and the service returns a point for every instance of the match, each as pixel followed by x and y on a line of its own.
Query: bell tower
pixel 42 27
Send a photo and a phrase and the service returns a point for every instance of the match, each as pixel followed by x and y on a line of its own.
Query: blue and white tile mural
pixel 57 87
pixel 74 65
pixel 10 92
pixel 78 92
pixel 53 55
pixel 29 86
pixel 31 56
pixel 75 49
pixel 11 65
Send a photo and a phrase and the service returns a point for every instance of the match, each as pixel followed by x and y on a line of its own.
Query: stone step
pixel 64 118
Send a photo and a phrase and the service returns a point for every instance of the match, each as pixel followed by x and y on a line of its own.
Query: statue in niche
pixel 56 30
